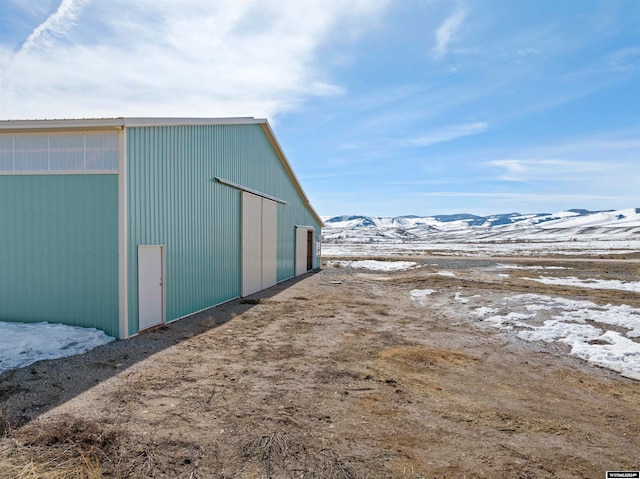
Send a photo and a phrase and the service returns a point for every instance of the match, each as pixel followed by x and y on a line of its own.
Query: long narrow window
pixel 59 152
pixel 6 152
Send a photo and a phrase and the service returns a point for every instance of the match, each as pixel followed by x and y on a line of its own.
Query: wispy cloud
pixel 545 169
pixel 608 67
pixel 445 134
pixel 432 137
pixel 541 197
pixel 446 31
pixel 44 35
pixel 351 146
pixel 620 144
pixel 55 25
pixel 194 58
pixel 625 59
pixel 341 174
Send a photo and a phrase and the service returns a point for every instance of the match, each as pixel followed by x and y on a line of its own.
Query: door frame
pixel 163 292
pixel 309 250
pixel 308 230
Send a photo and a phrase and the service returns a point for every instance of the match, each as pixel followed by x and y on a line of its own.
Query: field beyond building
pixel 351 372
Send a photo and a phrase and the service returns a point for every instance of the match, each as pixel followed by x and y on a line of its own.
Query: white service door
pixel 150 297
pixel 251 244
pixel 301 250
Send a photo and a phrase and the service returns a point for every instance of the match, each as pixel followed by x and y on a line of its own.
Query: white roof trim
pixel 122 122
pixel 60 124
pixel 142 122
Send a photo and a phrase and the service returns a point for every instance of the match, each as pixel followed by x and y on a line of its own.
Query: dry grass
pixel 330 465
pixel 285 455
pixel 275 452
pixel 331 374
pixel 66 448
pixel 5 422
pixel 418 356
pixel 75 448
pixel 505 421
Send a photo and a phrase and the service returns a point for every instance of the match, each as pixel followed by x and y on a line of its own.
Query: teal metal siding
pixel 173 200
pixel 59 250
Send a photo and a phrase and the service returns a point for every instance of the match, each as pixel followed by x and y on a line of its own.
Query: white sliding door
pixel 259 243
pixel 251 244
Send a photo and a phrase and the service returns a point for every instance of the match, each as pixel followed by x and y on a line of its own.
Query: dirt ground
pixel 339 374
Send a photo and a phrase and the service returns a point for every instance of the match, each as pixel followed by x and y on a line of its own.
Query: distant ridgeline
pixel 570 224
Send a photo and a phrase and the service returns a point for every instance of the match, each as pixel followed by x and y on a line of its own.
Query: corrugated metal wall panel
pixel 59 250
pixel 173 200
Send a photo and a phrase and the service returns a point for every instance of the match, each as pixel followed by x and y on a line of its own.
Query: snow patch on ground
pixel 446 274
pixel 22 344
pixel 633 286
pixel 475 247
pixel 582 325
pixel 420 295
pixel 534 268
pixel 458 297
pixel 375 265
pixel 509 320
pixel 484 311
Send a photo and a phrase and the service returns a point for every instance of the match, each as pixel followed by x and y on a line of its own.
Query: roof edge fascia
pixel 69 124
pixel 151 121
pixel 120 122
pixel 266 127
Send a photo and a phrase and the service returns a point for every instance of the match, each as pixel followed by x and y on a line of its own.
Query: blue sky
pixel 382 107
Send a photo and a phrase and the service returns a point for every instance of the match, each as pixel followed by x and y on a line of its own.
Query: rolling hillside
pixel 562 226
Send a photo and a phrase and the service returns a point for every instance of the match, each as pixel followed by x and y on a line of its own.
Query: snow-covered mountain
pixel 563 226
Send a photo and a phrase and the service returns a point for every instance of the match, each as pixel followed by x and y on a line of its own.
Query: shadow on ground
pixel 28 392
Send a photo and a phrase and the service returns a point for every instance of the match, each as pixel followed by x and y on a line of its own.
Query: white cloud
pixel 609 67
pixel 187 58
pixel 33 8
pixel 55 26
pixel 538 169
pixel 538 197
pixel 438 135
pixel 608 147
pixel 446 31
pixel 593 161
pixel 625 59
pixel 445 134
pixel 525 52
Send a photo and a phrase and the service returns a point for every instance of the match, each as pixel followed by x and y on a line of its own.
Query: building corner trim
pixel 123 289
